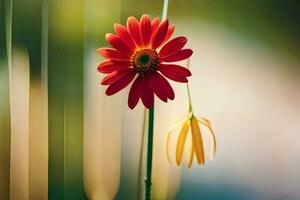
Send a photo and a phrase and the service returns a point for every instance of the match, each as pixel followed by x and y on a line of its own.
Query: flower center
pixel 145 61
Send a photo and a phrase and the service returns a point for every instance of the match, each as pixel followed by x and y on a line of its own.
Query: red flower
pixel 142 52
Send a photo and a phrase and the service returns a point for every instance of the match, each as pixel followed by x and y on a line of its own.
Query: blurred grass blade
pixel 19 106
pixel 38 142
pixel 166 177
pixel 65 90
pixel 27 31
pixel 5 52
pixel 102 138
pixel 102 119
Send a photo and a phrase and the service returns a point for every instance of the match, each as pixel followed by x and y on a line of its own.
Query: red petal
pixel 161 87
pixel 134 30
pixel 109 66
pixel 147 93
pixel 178 56
pixel 175 72
pixel 145 26
pixel 116 75
pixel 120 84
pixel 175 69
pixel 179 79
pixel 169 33
pixel 155 84
pixel 154 25
pixel 113 54
pixel 160 34
pixel 123 33
pixel 135 92
pixel 118 43
pixel 172 46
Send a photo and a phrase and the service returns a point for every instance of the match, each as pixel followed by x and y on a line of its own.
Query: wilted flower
pixel 192 123
pixel 141 51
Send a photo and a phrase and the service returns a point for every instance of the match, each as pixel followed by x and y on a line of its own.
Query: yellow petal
pixel 191 155
pixel 181 141
pixel 170 130
pixel 203 120
pixel 167 147
pixel 213 143
pixel 178 123
pixel 197 140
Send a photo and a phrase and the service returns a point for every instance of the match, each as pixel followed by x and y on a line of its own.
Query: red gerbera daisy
pixel 142 52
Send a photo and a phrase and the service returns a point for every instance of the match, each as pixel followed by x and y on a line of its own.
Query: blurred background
pixel 62 138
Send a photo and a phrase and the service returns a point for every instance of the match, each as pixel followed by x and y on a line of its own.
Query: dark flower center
pixel 145 61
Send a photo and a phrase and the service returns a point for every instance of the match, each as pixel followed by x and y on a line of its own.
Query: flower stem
pixel 148 182
pixel 188 90
pixel 189 96
pixel 165 9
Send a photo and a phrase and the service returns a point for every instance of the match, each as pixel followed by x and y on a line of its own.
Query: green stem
pixel 149 154
pixel 5 65
pixel 188 90
pixel 165 9
pixel 189 96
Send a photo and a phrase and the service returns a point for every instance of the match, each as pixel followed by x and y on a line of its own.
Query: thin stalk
pixel 188 90
pixel 141 154
pixel 165 9
pixel 189 96
pixel 8 23
pixel 149 154
pixel 5 112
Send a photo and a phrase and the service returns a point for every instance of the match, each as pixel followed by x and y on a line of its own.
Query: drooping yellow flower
pixel 191 124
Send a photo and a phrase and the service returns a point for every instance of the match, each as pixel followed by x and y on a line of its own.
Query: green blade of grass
pixel 5 52
pixel 65 87
pixel 27 33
